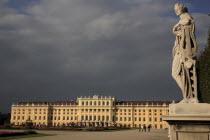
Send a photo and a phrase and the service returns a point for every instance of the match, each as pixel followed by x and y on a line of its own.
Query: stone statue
pixel 184 55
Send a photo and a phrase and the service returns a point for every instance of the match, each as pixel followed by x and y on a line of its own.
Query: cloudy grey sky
pixel 63 49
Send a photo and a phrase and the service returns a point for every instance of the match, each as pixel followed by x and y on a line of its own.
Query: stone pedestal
pixel 188 121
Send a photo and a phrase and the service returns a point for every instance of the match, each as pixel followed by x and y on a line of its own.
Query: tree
pixel 4 118
pixel 203 72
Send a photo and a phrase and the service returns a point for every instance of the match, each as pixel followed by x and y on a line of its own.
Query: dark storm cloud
pixel 58 50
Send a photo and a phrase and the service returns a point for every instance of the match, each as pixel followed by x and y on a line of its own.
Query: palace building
pixel 91 111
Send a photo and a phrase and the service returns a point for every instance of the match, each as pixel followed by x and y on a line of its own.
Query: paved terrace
pixel 114 135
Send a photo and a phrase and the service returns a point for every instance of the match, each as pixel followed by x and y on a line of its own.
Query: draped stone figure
pixel 184 55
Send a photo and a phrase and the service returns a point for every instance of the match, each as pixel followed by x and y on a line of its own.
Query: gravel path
pixel 116 135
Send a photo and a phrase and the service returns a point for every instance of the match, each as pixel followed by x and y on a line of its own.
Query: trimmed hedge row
pixel 6 133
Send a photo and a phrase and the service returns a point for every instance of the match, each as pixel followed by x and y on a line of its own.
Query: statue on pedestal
pixel 184 55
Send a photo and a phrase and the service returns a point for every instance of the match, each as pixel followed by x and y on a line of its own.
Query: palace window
pixel 161 120
pixel 120 110
pixel 155 119
pixel 86 102
pixel 107 103
pixel 124 118
pixel 135 110
pixel 86 118
pixel 99 103
pixel 14 117
pixel 120 118
pixel 139 110
pixel 135 119
pixel 103 118
pixel 90 102
pixel 107 110
pixel 54 118
pixel 94 118
pixel 39 117
pixel 68 118
pixel 22 117
pixel 124 110
pixel 107 118
pixel 129 118
pixel 149 110
pixel 103 103
pixel 99 117
pixel 139 118
pixel 144 119
pixel 150 119
pixel 35 117
pixel 129 110
pixel 43 117
pixel 63 118
pixel 82 102
pixel 94 102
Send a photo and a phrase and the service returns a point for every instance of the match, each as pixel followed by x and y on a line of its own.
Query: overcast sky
pixel 63 49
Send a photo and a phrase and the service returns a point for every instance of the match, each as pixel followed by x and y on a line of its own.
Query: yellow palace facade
pixel 91 111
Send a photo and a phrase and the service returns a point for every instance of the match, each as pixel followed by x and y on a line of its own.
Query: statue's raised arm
pixel 184 53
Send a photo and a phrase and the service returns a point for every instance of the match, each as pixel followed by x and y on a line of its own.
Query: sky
pixel 54 50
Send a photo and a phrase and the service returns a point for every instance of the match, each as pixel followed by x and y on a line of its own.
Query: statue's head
pixel 179 9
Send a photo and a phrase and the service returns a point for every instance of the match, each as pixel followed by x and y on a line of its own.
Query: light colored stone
pixel 188 121
pixel 184 53
pixel 189 109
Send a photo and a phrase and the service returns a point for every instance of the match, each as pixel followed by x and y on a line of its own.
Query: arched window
pixel 82 102
pixel 86 102
pixel 107 103
pixel 103 103
pixel 99 103
pixel 90 102
pixel 95 103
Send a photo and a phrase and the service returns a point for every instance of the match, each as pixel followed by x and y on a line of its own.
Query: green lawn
pixel 25 136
